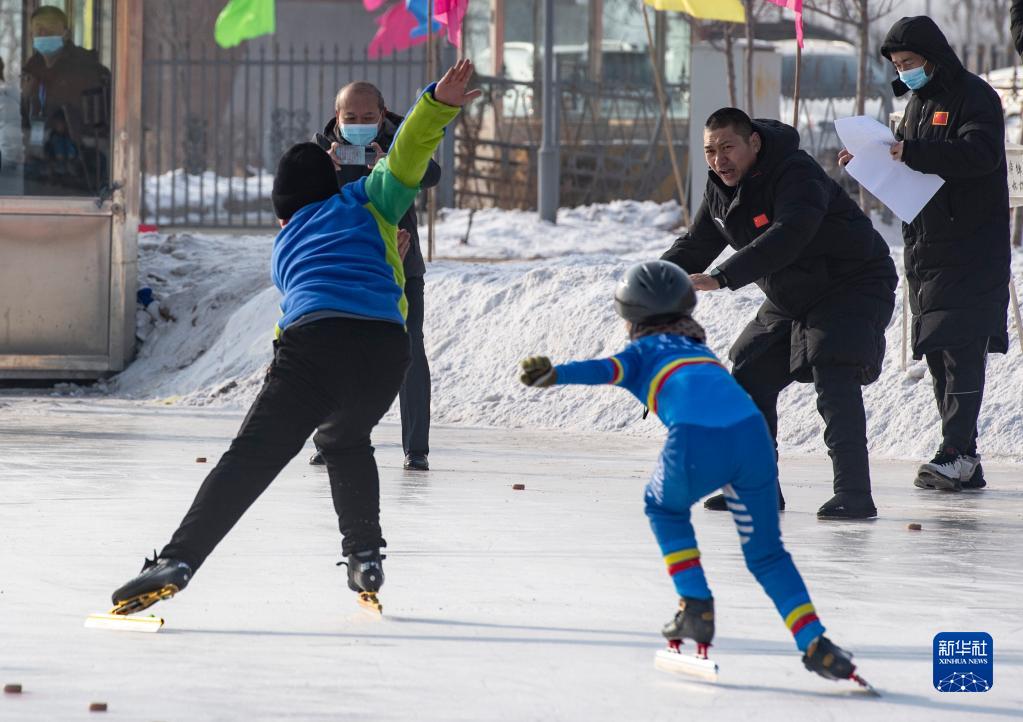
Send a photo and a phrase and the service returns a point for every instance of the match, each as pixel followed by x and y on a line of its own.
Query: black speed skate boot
pixel 832 662
pixel 366 576
pixel 828 659
pixel 694 620
pixel 160 579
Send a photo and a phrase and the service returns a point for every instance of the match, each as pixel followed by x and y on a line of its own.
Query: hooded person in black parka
pixel 827 274
pixel 957 253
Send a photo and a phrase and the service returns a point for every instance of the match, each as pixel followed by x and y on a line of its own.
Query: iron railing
pixel 215 122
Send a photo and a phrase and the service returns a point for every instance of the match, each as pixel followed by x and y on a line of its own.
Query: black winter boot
pixel 848 505
pixel 717 502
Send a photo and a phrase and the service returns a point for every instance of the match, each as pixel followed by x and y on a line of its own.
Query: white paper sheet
pixel 904 190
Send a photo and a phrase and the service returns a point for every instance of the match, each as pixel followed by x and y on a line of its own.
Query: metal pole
pixel 547 187
pixel 431 76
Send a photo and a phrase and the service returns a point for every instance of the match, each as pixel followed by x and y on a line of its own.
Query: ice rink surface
pixel 542 604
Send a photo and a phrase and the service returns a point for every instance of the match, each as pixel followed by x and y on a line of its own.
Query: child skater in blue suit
pixel 717 439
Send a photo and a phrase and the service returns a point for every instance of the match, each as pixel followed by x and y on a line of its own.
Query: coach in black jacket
pixel 957 253
pixel 362 103
pixel 827 274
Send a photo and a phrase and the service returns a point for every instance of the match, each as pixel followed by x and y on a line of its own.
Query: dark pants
pixel 958 375
pixel 839 401
pixel 336 375
pixel 414 397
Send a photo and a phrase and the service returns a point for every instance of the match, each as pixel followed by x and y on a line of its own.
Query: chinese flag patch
pixel 940 118
pixel 761 220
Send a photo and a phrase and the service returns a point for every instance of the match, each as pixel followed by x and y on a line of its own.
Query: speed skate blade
pixel 369 602
pixel 122 623
pixel 681 663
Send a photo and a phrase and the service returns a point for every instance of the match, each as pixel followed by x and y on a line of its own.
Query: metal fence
pixel 609 139
pixel 215 122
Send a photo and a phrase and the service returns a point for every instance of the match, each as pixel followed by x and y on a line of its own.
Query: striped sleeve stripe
pixel 667 370
pixel 797 615
pixel 619 371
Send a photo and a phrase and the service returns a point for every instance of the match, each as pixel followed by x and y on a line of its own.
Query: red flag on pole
pixel 795 6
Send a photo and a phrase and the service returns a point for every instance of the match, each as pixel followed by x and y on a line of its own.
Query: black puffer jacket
pixel 957 250
pixel 415 266
pixel 827 274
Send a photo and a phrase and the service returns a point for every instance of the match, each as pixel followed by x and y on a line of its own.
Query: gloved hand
pixel 537 371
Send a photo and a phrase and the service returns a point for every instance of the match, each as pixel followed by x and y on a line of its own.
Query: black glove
pixel 537 371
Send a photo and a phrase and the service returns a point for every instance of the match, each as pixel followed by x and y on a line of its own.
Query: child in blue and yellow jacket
pixel 340 354
pixel 717 439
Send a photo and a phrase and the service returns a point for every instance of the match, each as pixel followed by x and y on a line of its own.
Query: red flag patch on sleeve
pixel 940 118
pixel 761 220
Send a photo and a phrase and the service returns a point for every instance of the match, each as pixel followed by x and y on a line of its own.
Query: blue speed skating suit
pixel 717 439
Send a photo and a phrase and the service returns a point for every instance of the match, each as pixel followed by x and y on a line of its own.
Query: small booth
pixel 70 102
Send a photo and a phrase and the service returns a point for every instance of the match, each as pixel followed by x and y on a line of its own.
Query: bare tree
pixel 750 48
pixel 859 15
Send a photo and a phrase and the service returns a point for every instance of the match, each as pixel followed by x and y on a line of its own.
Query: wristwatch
pixel 718 275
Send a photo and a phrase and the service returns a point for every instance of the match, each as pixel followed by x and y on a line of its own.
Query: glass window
pixel 55 119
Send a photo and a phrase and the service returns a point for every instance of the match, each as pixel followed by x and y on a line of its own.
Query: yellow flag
pixel 727 10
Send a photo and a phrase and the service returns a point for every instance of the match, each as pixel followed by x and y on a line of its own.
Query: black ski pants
pixel 958 376
pixel 414 397
pixel 335 375
pixel 839 402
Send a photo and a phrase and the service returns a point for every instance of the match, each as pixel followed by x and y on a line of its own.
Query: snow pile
pixel 620 227
pixel 483 317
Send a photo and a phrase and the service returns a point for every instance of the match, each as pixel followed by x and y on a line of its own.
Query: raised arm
pixel 395 180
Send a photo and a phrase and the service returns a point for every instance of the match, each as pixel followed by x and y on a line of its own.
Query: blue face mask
pixel 48 44
pixel 915 78
pixel 359 133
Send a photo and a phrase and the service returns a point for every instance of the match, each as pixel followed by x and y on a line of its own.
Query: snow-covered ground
pixel 528 287
pixel 542 604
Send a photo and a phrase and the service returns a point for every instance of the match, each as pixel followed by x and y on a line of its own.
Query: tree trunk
pixel 730 66
pixel 750 24
pixel 861 77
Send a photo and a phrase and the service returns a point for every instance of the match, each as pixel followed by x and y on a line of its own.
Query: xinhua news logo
pixel 964 662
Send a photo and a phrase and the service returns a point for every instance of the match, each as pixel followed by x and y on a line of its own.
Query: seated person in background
pixel 53 82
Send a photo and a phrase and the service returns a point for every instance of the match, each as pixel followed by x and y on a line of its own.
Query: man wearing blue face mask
pixel 957 253
pixel 54 80
pixel 362 119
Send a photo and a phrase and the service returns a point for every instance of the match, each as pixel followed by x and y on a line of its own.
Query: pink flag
pixel 795 6
pixel 451 12
pixel 394 32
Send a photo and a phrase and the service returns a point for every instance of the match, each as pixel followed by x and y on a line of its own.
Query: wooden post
pixel 679 183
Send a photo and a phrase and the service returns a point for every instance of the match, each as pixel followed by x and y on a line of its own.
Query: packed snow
pixel 528 287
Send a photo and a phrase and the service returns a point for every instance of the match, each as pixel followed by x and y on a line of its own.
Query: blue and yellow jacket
pixel 341 254
pixel 677 378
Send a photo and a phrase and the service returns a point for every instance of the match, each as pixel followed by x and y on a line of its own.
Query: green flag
pixel 242 20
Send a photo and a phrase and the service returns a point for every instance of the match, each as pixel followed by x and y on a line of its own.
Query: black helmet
pixel 654 292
